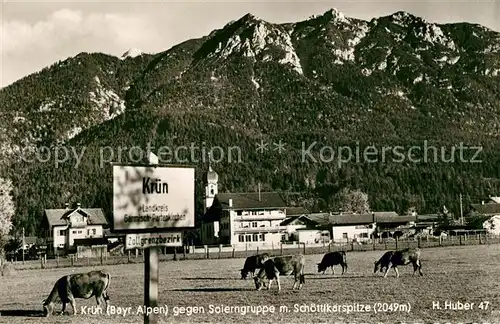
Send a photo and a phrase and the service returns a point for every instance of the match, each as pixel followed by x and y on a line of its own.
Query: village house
pixel 295 220
pixel 242 219
pixel 490 210
pixel 341 228
pixel 426 224
pixel 66 227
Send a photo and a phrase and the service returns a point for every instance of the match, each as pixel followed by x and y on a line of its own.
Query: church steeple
pixel 211 187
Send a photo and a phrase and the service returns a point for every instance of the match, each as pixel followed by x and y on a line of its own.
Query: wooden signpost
pixel 152 204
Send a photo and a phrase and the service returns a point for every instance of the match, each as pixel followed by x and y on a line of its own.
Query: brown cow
pixel 78 285
pixel 400 258
pixel 285 265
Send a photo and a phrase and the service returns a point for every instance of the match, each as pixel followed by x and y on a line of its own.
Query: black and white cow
pixel 331 259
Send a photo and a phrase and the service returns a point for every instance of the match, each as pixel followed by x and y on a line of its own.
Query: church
pixel 241 219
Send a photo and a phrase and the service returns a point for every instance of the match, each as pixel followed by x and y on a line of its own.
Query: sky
pixel 35 34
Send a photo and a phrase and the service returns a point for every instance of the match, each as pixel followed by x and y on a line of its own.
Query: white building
pixel 242 219
pixel 342 228
pixel 64 226
pixel 313 236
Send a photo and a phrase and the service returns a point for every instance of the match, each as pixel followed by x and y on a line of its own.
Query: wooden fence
pixel 224 252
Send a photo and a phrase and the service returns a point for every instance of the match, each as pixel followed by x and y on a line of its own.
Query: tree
pixel 354 201
pixel 7 210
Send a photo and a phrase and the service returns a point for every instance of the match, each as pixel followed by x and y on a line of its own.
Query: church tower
pixel 211 187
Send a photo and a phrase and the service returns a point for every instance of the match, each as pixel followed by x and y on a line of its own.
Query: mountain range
pixel 333 80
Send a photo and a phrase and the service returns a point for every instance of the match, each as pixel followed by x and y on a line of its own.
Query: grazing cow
pixel 252 263
pixel 331 259
pixel 383 262
pixel 78 285
pixel 400 258
pixel 285 265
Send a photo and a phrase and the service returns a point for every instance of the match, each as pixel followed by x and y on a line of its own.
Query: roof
pixel 386 218
pixel 211 175
pixel 289 220
pixel 352 219
pixel 268 200
pixel 326 219
pixel 487 209
pixel 296 211
pixel 495 200
pixel 321 219
pixel 108 233
pixel 303 218
pixel 57 217
pixel 427 217
pixel 386 214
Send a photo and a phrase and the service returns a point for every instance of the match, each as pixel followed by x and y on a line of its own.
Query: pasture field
pixel 467 274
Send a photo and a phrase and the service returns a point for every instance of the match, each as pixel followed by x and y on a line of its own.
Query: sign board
pixel 147 240
pixel 152 198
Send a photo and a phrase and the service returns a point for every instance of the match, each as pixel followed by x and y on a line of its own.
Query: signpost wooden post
pixel 152 203
pixel 151 242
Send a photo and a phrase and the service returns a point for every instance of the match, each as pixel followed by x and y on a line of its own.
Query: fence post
pixel 72 260
pixel 479 238
pixel 257 250
pixel 460 239
pixel 304 248
pixel 207 251
pixel 102 255
pixel 385 243
pixel 418 242
pixel 220 250
pixel 373 242
pixel 233 251
pixel 184 251
pixel 330 247
pixel 57 260
pixel 397 239
pixel 281 248
pixel 352 245
pixel 440 240
pixel 175 253
pixel 41 261
pixel 136 253
pixel 128 256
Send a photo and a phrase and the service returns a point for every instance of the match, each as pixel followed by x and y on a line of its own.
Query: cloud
pixel 30 47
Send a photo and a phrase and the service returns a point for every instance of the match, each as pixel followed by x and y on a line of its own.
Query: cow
pixel 331 259
pixel 383 262
pixel 400 258
pixel 285 265
pixel 252 263
pixel 78 285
